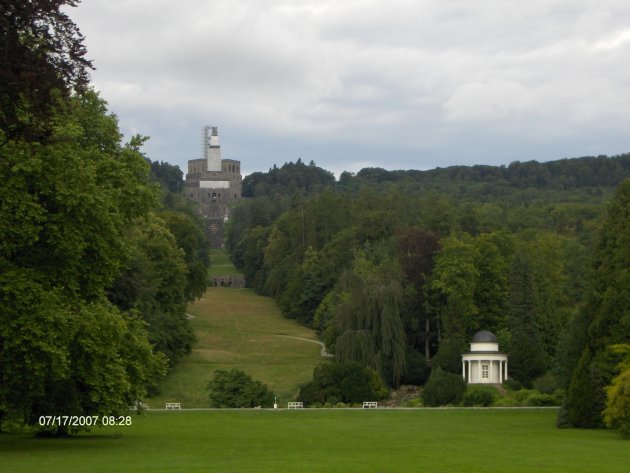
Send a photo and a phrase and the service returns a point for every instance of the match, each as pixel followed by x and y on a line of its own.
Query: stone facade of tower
pixel 214 183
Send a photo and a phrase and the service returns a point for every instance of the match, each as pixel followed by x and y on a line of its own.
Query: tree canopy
pixel 93 280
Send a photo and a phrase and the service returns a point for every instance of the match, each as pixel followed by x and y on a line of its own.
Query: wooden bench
pixel 370 405
pixel 172 406
pixel 295 405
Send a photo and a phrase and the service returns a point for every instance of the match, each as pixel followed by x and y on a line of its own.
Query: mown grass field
pixel 236 328
pixel 425 440
pixel 220 264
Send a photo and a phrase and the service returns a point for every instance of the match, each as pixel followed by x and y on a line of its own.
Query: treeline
pixel 98 255
pixel 565 174
pixel 395 276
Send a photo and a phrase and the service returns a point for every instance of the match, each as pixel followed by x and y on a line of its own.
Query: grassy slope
pixel 237 328
pixel 220 264
pixel 376 441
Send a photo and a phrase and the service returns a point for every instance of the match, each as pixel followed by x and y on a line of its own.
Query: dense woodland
pixel 397 270
pixel 98 253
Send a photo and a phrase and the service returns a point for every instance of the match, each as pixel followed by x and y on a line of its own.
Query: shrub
pixel 546 383
pixel 235 388
pixel 443 388
pixel 617 412
pixel 512 384
pixel 506 402
pixel 541 399
pixel 417 402
pixel 417 368
pixel 478 397
pixel 523 395
pixel 348 383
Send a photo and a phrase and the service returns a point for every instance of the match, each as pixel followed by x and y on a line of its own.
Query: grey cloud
pixel 394 83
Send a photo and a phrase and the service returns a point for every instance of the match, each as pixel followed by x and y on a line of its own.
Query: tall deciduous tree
pixel 455 278
pixel 64 208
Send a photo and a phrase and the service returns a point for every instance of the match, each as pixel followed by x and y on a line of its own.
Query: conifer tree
pixel 608 309
pixel 526 355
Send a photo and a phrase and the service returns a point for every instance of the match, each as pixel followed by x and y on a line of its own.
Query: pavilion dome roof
pixel 483 336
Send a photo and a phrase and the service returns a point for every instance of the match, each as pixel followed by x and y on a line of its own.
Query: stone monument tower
pixel 214 183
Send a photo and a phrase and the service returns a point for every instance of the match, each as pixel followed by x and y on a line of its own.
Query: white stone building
pixel 484 364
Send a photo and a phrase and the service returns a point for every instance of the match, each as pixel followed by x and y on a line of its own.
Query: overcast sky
pixel 355 83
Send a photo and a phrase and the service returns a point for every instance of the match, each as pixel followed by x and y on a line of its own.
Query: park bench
pixel 170 406
pixel 295 405
pixel 370 405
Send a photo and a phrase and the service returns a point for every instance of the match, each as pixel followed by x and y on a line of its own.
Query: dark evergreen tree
pixel 526 356
pixel 608 309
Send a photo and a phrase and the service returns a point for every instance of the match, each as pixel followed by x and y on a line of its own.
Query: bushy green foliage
pixel 443 388
pixel 84 263
pixel 478 396
pixel 547 383
pixel 168 175
pixel 66 208
pixel 617 412
pixel 154 282
pixel 235 388
pixel 449 356
pixel 512 384
pixel 370 329
pixel 417 370
pixel 190 237
pixel 542 400
pixel 349 383
pixel 506 402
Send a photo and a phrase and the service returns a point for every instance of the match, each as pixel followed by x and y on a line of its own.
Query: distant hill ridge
pixel 589 171
pixel 562 175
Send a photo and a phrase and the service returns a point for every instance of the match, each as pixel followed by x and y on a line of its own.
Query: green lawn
pixel 220 264
pixel 236 328
pixel 428 440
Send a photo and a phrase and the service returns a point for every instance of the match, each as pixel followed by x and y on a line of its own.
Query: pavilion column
pixel 490 371
pixel 500 371
pixel 480 378
pixel 464 370
pixel 470 371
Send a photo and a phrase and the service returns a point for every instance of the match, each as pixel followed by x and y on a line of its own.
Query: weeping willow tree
pixel 371 332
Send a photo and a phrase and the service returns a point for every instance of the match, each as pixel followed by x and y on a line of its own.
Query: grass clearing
pixel 427 440
pixel 236 328
pixel 220 264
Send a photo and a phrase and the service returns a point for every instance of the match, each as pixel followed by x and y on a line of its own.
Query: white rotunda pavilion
pixel 484 364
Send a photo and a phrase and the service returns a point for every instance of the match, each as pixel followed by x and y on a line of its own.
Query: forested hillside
pixel 397 269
